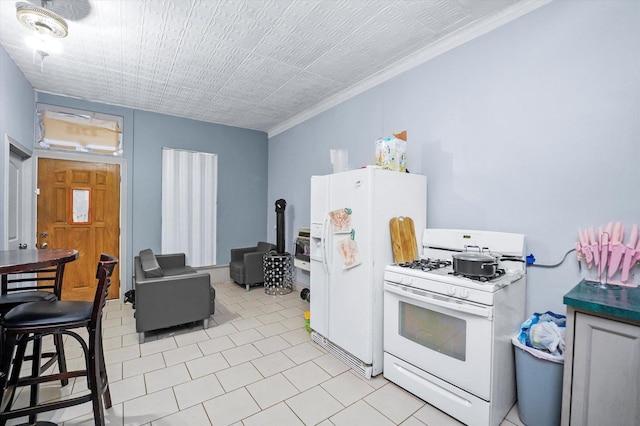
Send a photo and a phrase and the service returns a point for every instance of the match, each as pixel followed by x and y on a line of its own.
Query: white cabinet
pixel 602 371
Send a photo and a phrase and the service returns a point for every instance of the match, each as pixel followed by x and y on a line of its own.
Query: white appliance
pixel 346 292
pixel 447 338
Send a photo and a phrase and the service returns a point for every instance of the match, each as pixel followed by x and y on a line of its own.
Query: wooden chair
pixel 31 322
pixel 12 296
pixel 46 286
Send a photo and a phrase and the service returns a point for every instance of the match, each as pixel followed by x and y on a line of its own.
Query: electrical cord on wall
pixel 531 260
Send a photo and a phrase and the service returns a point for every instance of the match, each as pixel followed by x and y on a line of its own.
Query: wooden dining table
pixel 20 261
pixel 31 260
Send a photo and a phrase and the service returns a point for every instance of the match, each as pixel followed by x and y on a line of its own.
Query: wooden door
pixel 79 208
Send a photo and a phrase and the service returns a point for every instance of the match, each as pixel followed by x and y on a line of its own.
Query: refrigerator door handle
pixel 327 270
pixel 325 240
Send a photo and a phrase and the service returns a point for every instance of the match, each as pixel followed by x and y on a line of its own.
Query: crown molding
pixel 441 46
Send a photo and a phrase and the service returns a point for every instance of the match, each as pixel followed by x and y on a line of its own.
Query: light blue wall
pixel 532 128
pixel 242 176
pixel 16 114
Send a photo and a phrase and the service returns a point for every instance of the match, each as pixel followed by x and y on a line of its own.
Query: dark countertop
pixel 616 301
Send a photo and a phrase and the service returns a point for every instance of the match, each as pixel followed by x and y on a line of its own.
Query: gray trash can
pixel 539 386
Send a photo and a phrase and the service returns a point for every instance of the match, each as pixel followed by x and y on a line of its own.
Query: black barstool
pixel 46 287
pixel 34 320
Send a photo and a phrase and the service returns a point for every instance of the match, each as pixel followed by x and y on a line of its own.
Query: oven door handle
pixel 430 300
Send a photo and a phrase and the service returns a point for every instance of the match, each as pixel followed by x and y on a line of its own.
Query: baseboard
pixel 299 286
pixel 219 274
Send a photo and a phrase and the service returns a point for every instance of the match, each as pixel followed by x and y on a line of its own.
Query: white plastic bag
pixel 547 336
pixel 544 333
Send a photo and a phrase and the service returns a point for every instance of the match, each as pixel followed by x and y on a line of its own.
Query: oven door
pixel 446 337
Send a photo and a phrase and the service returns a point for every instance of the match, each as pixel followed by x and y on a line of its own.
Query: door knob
pixel 44 245
pixel 22 246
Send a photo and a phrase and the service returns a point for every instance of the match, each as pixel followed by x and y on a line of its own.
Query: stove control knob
pixel 405 280
pixel 451 291
pixel 464 293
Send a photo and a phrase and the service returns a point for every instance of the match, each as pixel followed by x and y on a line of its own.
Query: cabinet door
pixel 606 372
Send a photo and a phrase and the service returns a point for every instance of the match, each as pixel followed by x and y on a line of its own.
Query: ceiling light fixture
pixel 41 20
pixel 45 44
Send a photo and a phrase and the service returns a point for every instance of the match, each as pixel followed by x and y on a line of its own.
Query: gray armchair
pixel 246 267
pixel 169 292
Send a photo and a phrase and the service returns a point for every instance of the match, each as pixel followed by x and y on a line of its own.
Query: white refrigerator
pixel 350 246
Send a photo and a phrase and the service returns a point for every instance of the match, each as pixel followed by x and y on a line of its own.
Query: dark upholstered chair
pixel 246 267
pixel 169 292
pixel 30 322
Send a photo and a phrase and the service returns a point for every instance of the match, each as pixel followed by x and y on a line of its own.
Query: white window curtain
pixel 189 194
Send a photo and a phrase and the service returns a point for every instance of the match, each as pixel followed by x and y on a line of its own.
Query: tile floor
pixel 254 365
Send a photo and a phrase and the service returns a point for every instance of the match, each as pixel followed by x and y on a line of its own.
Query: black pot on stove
pixel 475 264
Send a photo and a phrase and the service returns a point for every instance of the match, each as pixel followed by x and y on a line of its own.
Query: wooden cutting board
pixel 403 239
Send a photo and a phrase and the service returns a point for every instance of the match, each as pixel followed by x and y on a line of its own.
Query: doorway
pixel 14 236
pixel 18 229
pixel 78 206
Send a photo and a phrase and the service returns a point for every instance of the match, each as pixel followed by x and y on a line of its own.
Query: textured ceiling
pixel 255 64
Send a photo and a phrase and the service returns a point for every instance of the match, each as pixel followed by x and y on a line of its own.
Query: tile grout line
pixel 293 340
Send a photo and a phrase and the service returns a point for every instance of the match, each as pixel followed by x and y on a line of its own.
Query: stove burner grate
pixel 426 264
pixel 499 272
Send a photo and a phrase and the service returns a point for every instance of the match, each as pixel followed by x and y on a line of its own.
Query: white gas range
pixel 447 337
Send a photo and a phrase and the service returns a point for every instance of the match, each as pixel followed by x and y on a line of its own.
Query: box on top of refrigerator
pixel 391 153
